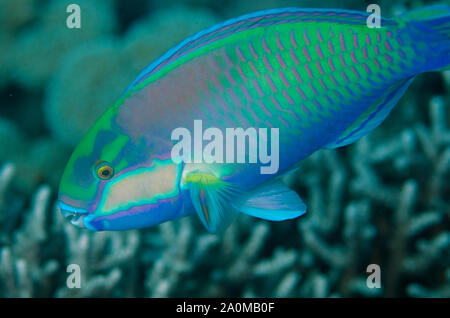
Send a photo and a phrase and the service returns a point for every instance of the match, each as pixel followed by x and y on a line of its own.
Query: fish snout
pixel 72 214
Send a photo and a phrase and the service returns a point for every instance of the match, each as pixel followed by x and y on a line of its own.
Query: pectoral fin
pixel 217 202
pixel 211 198
pixel 273 201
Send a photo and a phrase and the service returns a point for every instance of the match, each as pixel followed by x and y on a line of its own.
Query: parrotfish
pixel 322 78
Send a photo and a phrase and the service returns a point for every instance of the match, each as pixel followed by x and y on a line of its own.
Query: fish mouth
pixel 72 214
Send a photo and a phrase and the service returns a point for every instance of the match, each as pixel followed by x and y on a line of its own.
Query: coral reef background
pixel 384 200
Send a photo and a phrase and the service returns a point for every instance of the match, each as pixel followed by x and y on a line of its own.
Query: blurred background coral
pixel 384 200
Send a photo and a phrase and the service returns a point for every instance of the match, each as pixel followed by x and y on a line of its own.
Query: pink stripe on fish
pixel 280 60
pixel 388 46
pixel 297 76
pixel 227 59
pixel 305 109
pixel 293 56
pixel 388 58
pixel 215 66
pixel 241 73
pixel 378 37
pixel 319 36
pixel 338 95
pixel 289 99
pixel 255 117
pixel 323 84
pixel 283 121
pixel 377 50
pixel 355 72
pixel 280 46
pixel 275 102
pixel 319 51
pixel 292 113
pixel 330 62
pixel 245 91
pixel 355 40
pixel 265 46
pixel 283 78
pixel 204 89
pixel 267 64
pixel 344 77
pixel 258 88
pixel 312 88
pixel 306 53
pixel 365 52
pixel 268 123
pixel 341 58
pixel 341 40
pixel 367 39
pixel 271 84
pixel 239 53
pixel 253 68
pixel 354 58
pixel 331 33
pixel 261 104
pixel 299 90
pixel 229 77
pixel 330 47
pixel 294 43
pixel 252 51
pixel 366 68
pixel 216 82
pixel 377 63
pixel 241 118
pixel 334 80
pixel 234 98
pixel 319 67
pixel 309 71
pixel 305 35
pixel 222 103
pixel 317 104
pixel 389 34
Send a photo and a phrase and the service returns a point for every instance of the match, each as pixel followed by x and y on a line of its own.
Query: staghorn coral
pixel 30 265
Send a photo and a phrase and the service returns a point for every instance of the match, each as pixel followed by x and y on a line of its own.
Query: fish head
pixel 114 183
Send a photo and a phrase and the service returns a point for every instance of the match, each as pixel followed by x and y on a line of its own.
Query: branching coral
pixel 30 262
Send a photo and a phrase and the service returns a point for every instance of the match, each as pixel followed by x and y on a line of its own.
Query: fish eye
pixel 104 170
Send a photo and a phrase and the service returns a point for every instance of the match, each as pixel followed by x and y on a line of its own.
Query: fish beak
pixel 72 214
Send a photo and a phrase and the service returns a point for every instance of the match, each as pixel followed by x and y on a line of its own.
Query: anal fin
pixel 273 201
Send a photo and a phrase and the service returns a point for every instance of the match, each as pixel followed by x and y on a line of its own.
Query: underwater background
pixel 384 200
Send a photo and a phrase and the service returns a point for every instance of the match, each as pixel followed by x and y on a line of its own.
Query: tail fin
pixel 435 22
